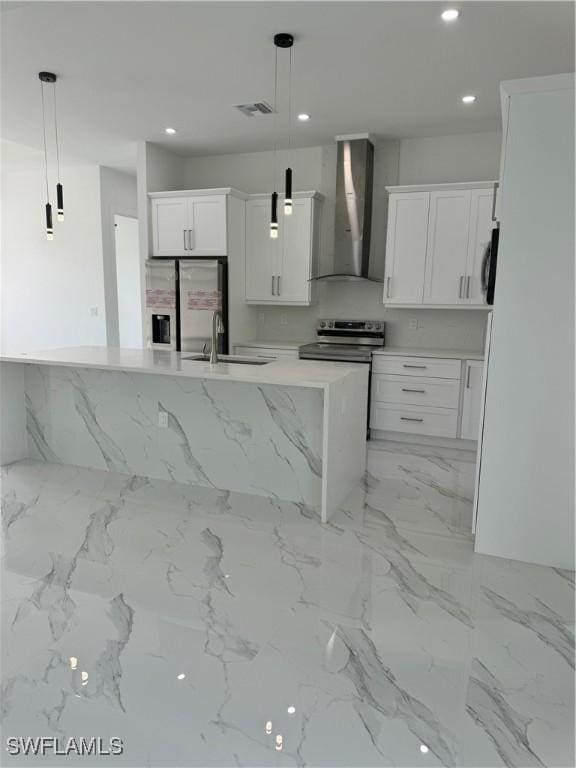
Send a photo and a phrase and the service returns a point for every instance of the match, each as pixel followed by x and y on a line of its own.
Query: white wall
pixel 253 171
pixel 118 196
pixel 51 290
pixel 439 159
pixel 130 331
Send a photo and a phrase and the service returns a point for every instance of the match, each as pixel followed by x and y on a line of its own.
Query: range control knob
pixel 368 326
pixel 322 324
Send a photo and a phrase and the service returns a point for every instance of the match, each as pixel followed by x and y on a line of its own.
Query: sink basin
pixel 229 359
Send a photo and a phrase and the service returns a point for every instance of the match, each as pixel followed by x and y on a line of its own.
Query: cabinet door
pixel 207 222
pixel 406 248
pixel 480 233
pixel 169 225
pixel 295 246
pixel 447 251
pixel 472 401
pixel 261 253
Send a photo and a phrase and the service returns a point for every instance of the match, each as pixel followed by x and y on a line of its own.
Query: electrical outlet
pixel 413 324
pixel 93 311
pixel 283 319
pixel 163 419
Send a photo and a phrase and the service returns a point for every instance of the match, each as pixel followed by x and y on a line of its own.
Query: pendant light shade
pixel 288 193
pixel 60 201
pixel 274 216
pixel 49 227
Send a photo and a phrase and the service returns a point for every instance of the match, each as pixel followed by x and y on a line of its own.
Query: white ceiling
pixel 127 69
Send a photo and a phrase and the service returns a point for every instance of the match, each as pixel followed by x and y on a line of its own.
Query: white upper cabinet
pixel 279 271
pixel 261 252
pixel 447 249
pixel 208 225
pixel 481 225
pixel 189 223
pixel 169 226
pixel 296 253
pixel 437 235
pixel 406 248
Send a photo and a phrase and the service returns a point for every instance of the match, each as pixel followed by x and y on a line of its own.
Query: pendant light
pixel 288 176
pixel 46 77
pixel 281 40
pixel 59 188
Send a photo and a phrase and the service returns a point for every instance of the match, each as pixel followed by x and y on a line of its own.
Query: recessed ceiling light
pixel 291 710
pixel 423 748
pixel 303 116
pixel 468 99
pixel 181 676
pixel 451 14
pixel 170 130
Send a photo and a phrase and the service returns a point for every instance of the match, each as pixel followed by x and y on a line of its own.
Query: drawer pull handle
pixel 407 418
pixel 419 391
pixel 405 365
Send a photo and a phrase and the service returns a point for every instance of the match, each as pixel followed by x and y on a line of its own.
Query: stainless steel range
pixel 346 341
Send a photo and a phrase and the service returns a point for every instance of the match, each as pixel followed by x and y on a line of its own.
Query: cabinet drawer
pixel 417 366
pixel 269 352
pixel 439 422
pixel 415 390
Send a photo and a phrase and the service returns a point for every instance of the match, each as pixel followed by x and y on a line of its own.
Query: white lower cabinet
pixel 471 399
pixel 439 393
pixel 436 397
pixel 417 419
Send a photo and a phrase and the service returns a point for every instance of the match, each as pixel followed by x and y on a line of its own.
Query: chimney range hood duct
pixel 353 215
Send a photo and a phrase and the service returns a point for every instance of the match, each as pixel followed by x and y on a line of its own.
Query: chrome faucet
pixel 217 327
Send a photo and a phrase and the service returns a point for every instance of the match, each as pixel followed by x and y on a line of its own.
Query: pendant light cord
pixel 56 132
pixel 290 104
pixel 45 150
pixel 275 113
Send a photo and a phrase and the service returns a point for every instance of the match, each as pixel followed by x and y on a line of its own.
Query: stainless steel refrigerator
pixel 181 297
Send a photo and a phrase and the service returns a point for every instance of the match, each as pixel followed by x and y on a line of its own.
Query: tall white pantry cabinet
pixel 525 497
pixel 436 239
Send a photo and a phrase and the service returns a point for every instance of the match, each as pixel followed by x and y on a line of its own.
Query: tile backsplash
pixel 437 328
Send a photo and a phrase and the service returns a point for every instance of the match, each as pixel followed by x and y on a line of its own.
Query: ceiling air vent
pixel 255 109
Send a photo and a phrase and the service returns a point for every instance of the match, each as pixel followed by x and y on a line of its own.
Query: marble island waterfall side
pixel 295 431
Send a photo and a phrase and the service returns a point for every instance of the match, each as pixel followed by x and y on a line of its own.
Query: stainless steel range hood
pixel 353 214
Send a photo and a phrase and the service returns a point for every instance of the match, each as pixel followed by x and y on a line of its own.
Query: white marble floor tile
pixel 200 616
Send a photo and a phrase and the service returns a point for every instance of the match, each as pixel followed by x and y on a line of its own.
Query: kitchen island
pixel 290 429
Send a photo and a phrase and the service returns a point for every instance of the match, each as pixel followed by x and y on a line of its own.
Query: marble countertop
pixel 294 373
pixel 450 354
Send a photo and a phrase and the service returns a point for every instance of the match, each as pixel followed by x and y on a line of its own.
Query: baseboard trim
pixel 439 442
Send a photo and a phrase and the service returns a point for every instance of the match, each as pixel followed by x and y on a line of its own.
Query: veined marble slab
pixel 295 434
pixel 295 373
